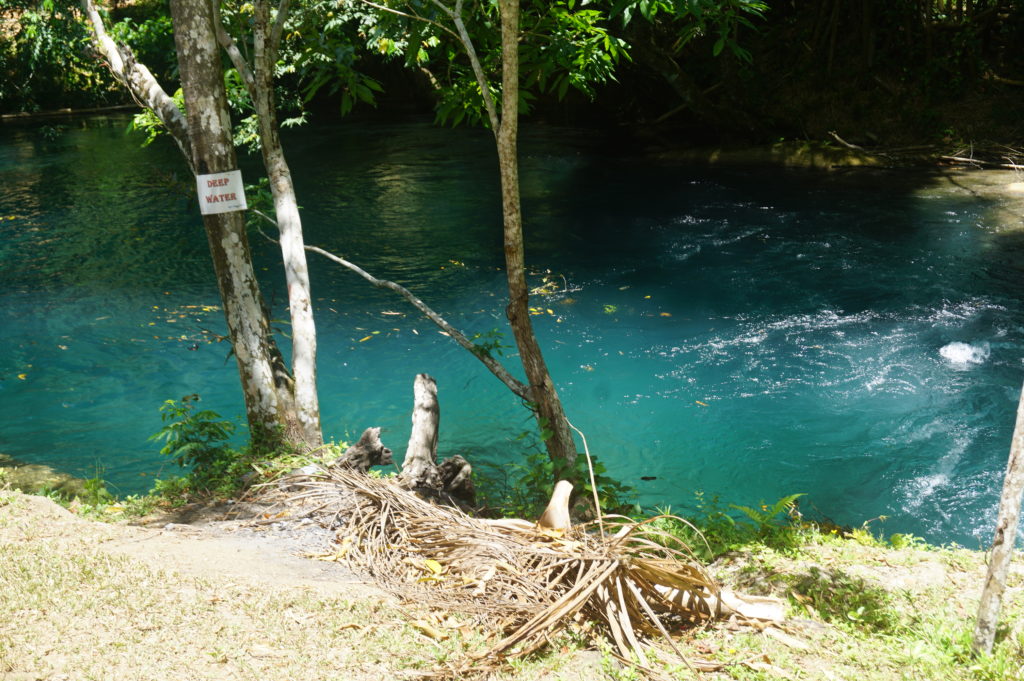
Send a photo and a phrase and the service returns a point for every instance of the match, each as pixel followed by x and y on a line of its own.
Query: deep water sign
pixel 221 192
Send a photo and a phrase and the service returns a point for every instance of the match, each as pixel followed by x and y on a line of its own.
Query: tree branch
pixel 139 81
pixel 517 387
pixel 462 35
pixel 492 365
pixel 236 57
pixel 474 60
pixel 413 16
pixel 278 28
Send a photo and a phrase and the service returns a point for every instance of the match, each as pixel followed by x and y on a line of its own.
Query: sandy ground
pixel 212 546
pixel 213 599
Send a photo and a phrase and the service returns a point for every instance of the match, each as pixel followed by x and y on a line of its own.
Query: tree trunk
pixel 1005 538
pixel 551 417
pixel 265 382
pixel 419 468
pixel 289 223
pixel 448 482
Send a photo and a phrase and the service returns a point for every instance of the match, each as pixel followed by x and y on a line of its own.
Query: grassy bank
pixel 74 604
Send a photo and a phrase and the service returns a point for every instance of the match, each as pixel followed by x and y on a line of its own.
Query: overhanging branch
pixel 517 387
pixel 139 81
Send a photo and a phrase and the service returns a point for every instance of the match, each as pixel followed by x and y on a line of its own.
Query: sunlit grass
pixel 859 609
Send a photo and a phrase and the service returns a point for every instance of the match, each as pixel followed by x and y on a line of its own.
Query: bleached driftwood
pixel 448 481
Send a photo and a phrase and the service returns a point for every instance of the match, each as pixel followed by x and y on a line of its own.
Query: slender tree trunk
pixel 1005 537
pixel 289 223
pixel 265 383
pixel 559 442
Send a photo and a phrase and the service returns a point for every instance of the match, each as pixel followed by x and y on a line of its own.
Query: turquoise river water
pixel 855 336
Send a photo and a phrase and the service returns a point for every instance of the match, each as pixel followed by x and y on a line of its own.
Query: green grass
pixel 860 608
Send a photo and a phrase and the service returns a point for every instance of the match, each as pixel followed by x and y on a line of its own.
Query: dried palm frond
pixel 524 579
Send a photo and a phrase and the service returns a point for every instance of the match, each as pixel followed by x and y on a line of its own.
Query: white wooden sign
pixel 221 192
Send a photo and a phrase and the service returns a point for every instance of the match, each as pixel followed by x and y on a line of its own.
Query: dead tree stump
pixel 369 451
pixel 450 481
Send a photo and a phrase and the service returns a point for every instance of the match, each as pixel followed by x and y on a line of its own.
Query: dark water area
pixel 748 333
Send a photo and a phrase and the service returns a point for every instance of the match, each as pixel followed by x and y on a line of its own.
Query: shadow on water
pixel 749 332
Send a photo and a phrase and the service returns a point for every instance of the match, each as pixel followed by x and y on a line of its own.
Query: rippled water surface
pixel 857 337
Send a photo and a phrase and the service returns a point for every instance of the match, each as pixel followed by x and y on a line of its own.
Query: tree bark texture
pixel 1005 537
pixel 265 382
pixel 289 223
pixel 550 414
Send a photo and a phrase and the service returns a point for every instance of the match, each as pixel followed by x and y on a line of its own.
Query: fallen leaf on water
pixel 703 404
pixel 63 347
pixel 666 314
pixel 361 340
pixel 22 376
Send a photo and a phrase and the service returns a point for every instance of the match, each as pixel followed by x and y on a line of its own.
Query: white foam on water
pixel 965 354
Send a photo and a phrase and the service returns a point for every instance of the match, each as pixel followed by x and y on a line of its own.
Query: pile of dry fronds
pixel 519 578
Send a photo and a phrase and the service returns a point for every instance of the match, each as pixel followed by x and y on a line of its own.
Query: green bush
pixel 198 439
pixel 522 489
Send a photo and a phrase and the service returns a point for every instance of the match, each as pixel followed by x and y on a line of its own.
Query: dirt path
pixel 218 599
pixel 274 554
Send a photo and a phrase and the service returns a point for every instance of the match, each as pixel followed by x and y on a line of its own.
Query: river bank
pixel 215 597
